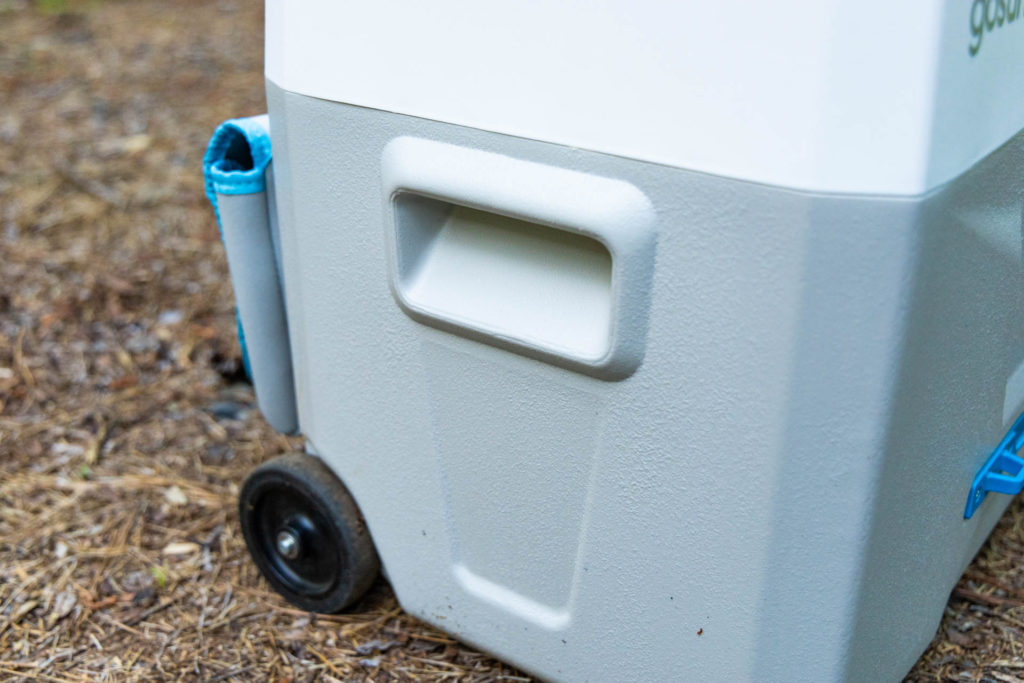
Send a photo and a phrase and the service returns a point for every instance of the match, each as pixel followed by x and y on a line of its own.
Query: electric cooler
pixel 637 340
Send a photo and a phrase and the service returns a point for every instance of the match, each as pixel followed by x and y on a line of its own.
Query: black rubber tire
pixel 337 561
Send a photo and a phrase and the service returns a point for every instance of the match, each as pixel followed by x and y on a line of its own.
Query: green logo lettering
pixel 978 11
pixel 989 15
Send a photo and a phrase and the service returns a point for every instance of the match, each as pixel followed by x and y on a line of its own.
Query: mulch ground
pixel 125 428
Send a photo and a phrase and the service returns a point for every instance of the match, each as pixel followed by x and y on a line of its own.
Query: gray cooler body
pixel 755 468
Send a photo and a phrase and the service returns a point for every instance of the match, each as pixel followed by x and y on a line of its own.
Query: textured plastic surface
pixel 236 165
pixel 775 493
pixel 853 96
pixel 1003 472
pixel 506 279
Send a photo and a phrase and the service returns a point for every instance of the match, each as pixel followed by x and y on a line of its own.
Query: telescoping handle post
pixel 236 168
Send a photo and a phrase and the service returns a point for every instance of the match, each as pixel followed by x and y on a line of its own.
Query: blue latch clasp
pixel 1003 472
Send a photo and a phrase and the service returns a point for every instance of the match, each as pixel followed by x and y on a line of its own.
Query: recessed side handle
pixel 539 260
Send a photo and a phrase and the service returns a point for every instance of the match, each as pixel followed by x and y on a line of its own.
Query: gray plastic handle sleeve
pixel 246 225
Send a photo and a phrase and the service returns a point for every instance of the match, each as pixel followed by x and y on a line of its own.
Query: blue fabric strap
pixel 237 157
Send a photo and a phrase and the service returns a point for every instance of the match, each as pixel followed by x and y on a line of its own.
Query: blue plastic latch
pixel 1003 472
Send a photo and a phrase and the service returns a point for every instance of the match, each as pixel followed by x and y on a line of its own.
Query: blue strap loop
pixel 1003 472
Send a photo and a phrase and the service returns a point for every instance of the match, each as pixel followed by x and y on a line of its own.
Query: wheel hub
pixel 297 541
pixel 288 544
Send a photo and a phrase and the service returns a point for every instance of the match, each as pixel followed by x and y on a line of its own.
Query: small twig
pixel 983 599
pixel 995 583
pixel 323 659
pixel 433 639
pixel 38 675
pixel 232 672
pixel 92 453
pixel 114 622
pixel 19 360
pixel 146 614
pixel 89 186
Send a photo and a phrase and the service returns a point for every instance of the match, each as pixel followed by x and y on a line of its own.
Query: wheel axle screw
pixel 287 544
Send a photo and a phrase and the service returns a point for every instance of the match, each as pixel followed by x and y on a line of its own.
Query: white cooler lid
pixel 850 96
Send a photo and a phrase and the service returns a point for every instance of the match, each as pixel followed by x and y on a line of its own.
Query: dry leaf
pixel 23 609
pixel 63 603
pixel 175 496
pixel 181 548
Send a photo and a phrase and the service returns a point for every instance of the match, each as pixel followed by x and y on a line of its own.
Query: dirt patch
pixel 124 433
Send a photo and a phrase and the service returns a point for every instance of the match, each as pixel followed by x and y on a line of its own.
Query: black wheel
pixel 305 533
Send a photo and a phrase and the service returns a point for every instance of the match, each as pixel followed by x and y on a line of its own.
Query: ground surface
pixel 124 434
